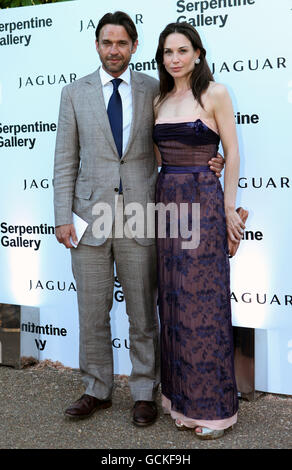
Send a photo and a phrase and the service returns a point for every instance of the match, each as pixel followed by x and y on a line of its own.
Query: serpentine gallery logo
pixel 24 236
pixel 19 135
pixel 19 33
pixel 199 11
pixel 48 330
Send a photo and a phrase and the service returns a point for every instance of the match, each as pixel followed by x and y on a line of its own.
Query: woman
pixel 192 114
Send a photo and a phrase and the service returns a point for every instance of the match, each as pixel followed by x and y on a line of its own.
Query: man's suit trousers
pixel 93 270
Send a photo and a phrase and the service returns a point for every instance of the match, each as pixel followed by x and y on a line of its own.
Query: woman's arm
pixel 224 116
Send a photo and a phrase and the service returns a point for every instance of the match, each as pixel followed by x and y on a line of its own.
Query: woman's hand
pixel 235 226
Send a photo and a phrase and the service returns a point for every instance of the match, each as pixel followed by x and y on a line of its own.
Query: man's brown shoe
pixel 144 413
pixel 86 406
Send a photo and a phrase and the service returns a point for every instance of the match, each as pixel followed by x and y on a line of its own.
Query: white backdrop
pixel 248 44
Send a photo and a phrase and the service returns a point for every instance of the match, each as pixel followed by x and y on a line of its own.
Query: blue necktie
pixel 115 115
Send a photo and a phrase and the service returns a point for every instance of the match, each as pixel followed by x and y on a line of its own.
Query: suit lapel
pixel 96 102
pixel 138 97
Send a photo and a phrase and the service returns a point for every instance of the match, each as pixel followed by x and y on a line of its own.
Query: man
pixel 104 154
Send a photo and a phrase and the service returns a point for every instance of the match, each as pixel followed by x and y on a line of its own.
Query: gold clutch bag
pixel 233 246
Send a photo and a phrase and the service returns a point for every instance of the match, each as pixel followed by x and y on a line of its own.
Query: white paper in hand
pixel 80 226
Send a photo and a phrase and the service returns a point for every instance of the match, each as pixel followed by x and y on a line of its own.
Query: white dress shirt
pixel 126 96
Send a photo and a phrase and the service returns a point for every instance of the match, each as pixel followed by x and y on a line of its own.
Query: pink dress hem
pixel 193 423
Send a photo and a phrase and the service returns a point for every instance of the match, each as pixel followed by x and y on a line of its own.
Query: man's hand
pixel 64 233
pixel 217 164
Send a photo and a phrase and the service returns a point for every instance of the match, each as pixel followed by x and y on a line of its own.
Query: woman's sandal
pixel 205 433
pixel 181 427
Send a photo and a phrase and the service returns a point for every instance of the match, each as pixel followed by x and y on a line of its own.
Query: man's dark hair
pixel 121 19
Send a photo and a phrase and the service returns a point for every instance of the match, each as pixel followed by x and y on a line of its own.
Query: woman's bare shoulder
pixel 216 95
pixel 217 90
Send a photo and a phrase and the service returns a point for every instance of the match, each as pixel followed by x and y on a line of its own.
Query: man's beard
pixel 115 68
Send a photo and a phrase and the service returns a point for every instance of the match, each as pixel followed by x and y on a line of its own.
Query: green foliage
pixel 26 3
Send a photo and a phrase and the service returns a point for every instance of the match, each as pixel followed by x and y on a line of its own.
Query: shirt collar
pixel 106 77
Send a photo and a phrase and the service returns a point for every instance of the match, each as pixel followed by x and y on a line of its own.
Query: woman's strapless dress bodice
pixel 185 143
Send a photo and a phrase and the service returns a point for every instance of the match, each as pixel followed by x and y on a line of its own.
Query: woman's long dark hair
pixel 201 75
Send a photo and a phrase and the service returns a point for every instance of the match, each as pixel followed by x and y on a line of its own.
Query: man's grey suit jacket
pixel 87 166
